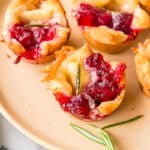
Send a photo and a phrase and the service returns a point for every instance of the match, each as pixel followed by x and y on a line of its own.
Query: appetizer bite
pixel 35 29
pixel 142 63
pixel 84 84
pixel 109 25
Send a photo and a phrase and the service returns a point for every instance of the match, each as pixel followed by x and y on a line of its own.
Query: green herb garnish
pixel 106 138
pixel 87 134
pixel 123 122
pixel 78 79
pixel 36 25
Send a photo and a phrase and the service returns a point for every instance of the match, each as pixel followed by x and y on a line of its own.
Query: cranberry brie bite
pixel 110 25
pixel 142 63
pixel 34 29
pixel 84 84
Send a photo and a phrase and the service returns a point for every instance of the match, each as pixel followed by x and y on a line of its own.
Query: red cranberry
pixel 122 22
pixel 119 71
pixel 31 54
pixel 78 105
pixel 105 18
pixel 97 61
pixel 107 86
pixel 104 90
pixel 31 38
pixel 88 15
pixel 63 99
pixel 18 59
pixel 23 35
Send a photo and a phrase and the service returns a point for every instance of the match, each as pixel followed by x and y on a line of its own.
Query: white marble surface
pixel 13 139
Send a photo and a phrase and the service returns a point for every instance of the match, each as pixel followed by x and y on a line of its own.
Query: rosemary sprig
pixel 36 25
pixel 123 122
pixel 106 138
pixel 87 134
pixel 78 77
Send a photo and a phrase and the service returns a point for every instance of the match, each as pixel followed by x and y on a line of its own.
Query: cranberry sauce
pixel 31 37
pixel 104 86
pixel 87 15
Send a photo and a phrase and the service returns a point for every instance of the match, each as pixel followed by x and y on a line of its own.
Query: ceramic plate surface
pixel 30 107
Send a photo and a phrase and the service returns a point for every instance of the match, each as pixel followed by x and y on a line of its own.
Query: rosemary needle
pixel 36 25
pixel 78 79
pixel 123 122
pixel 107 140
pixel 87 134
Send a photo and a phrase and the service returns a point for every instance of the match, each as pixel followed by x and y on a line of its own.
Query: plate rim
pixel 25 131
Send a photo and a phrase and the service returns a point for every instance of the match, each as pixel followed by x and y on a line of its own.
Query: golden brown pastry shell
pixel 107 48
pixel 142 64
pixel 53 76
pixel 143 73
pixel 13 17
pixel 112 44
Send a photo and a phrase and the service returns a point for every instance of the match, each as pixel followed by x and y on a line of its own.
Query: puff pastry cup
pixel 142 63
pixel 84 84
pixel 110 25
pixel 34 29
